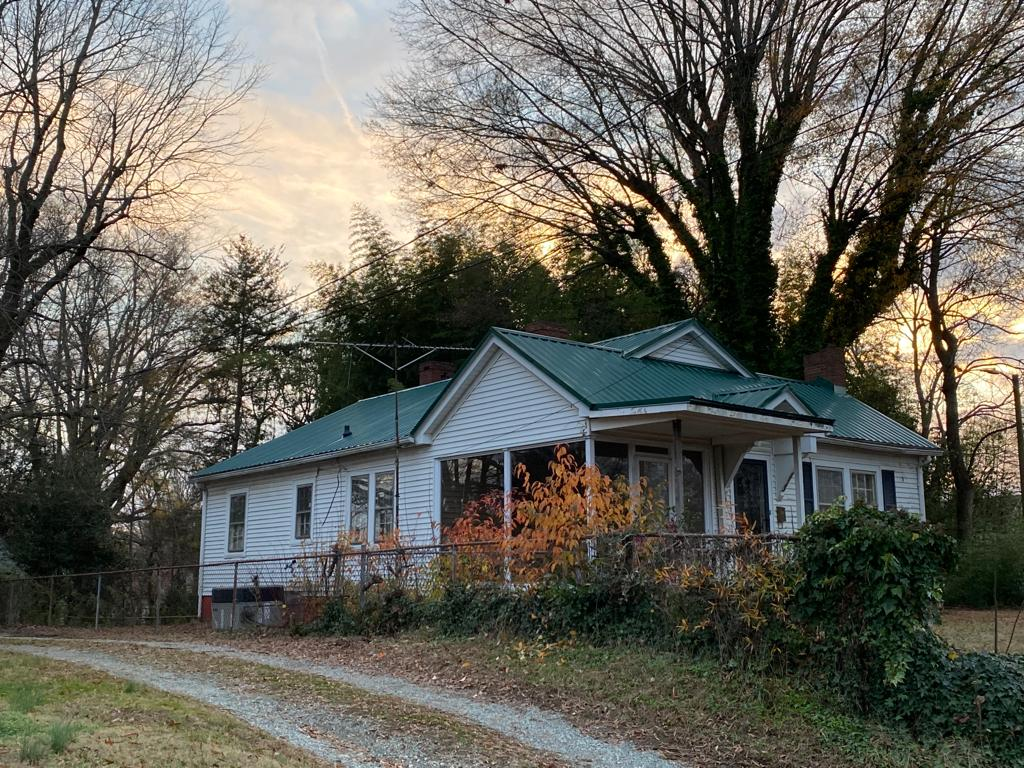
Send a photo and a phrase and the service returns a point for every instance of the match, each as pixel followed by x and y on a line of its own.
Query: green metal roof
pixel 372 422
pixel 602 376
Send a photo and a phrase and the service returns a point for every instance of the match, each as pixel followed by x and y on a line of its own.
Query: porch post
pixel 798 477
pixel 677 468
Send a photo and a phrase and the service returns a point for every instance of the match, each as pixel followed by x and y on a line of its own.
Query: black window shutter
pixel 808 489
pixel 888 489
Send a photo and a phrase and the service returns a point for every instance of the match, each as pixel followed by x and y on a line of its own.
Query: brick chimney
pixel 547 328
pixel 829 364
pixel 435 370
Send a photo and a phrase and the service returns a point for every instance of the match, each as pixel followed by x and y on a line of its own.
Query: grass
pixel 690 709
pixel 974 630
pixel 59 715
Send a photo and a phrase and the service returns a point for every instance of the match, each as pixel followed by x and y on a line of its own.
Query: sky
pixel 313 161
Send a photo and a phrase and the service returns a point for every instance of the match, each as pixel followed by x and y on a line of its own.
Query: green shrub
pixel 871 583
pixel 993 558
pixel 976 696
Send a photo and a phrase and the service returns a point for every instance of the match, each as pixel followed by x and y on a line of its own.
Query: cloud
pixel 314 162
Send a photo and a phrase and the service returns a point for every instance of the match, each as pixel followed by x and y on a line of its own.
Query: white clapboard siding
pixel 508 407
pixel 906 469
pixel 689 350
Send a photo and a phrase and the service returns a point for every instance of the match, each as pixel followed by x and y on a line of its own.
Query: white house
pixel 670 404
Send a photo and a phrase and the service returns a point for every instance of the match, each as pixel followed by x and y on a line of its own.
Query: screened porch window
pixel 469 479
pixel 536 461
pixel 613 460
pixel 692 518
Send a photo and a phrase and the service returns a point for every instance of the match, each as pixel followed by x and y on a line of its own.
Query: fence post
pixel 362 579
pixel 99 586
pixel 159 592
pixel 234 597
pixel 10 605
pixel 455 571
pixel 49 606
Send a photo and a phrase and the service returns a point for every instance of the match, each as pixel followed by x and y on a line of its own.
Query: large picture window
pixel 384 504
pixel 303 511
pixel 469 479
pixel 359 508
pixel 236 523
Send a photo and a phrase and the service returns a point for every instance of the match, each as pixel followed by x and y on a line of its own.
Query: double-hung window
pixel 303 511
pixel 862 486
pixel 359 508
pixel 384 504
pixel 830 486
pixel 236 523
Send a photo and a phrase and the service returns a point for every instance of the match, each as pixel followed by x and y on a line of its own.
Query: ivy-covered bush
pixel 871 584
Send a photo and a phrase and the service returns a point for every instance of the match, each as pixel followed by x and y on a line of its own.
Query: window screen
pixel 467 480
pixel 830 486
pixel 536 461
pixel 693 493
pixel 612 459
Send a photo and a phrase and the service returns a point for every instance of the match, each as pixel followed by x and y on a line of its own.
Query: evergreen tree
pixel 246 320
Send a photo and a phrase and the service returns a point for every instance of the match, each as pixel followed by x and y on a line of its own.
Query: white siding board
pixel 508 407
pixel 689 350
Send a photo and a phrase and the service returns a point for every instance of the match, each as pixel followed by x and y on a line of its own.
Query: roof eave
pixel 312 458
pixel 918 450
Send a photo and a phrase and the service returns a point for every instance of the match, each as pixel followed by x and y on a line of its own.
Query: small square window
pixel 303 511
pixel 236 523
pixel 863 488
pixel 830 486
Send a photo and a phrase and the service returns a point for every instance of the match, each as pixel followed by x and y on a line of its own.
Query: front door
pixel 750 489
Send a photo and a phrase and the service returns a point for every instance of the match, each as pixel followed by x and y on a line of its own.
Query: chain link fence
pixel 293 589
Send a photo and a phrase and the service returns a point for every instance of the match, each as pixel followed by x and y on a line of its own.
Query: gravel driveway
pixel 340 740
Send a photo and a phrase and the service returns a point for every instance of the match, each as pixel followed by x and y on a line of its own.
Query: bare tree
pixel 107 368
pixel 110 110
pixel 661 126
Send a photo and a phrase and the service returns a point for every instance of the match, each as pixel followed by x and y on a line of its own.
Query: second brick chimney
pixel 436 370
pixel 829 364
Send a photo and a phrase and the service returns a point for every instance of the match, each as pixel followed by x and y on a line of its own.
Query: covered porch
pixel 716 470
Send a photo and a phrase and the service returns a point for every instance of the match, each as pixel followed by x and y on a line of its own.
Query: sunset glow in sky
pixel 313 162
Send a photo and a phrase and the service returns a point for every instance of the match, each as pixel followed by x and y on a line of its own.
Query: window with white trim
pixel 384 504
pixel 303 511
pixel 863 488
pixel 236 523
pixel 359 508
pixel 830 488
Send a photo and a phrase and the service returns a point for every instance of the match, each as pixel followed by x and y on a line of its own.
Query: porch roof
pixel 604 376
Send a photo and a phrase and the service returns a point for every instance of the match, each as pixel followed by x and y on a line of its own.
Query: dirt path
pixel 344 740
